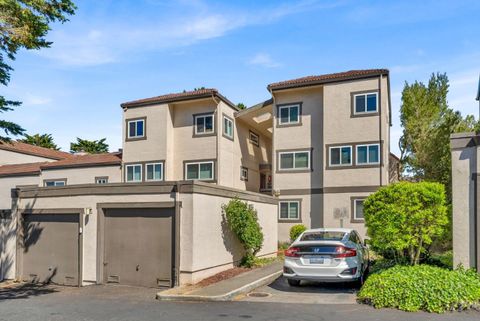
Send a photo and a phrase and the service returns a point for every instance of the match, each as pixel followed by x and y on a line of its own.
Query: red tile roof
pixel 21 169
pixel 23 148
pixel 320 79
pixel 174 97
pixel 85 161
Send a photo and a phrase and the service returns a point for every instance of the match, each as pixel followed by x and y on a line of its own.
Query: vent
pixel 70 280
pixel 113 279
pixel 163 283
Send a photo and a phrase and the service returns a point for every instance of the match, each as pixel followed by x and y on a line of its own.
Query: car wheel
pixel 361 279
pixel 293 282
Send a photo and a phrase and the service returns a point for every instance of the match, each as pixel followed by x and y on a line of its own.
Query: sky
pixel 115 51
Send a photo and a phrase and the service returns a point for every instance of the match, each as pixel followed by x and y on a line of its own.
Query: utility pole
pixel 478 97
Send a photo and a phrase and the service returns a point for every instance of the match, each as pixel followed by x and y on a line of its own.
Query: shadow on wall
pixel 230 241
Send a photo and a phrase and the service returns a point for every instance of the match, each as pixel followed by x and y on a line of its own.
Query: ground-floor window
pixel 357 210
pixel 289 210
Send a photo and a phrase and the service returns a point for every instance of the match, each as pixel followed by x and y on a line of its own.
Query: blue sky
pixel 115 51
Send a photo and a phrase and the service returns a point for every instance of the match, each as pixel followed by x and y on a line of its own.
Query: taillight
pixel 342 251
pixel 292 252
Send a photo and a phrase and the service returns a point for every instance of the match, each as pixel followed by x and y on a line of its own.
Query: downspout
pixel 274 193
pixel 382 161
pixel 217 141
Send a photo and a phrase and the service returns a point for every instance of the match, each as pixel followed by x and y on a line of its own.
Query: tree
pixel 89 146
pixel 44 140
pixel 402 219
pixel 427 123
pixel 24 24
pixel 241 106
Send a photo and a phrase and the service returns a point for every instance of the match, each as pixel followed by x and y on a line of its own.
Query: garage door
pixel 138 246
pixel 50 248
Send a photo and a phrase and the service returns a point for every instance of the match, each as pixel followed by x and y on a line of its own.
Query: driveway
pixel 307 293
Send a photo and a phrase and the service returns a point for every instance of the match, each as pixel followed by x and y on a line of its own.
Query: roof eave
pixel 66 166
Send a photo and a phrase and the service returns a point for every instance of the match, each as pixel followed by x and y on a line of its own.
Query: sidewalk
pixel 228 289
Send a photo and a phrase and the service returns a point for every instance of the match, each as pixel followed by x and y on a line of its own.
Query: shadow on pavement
pixel 24 291
pixel 281 284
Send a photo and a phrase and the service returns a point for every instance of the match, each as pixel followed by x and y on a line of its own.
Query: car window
pixel 322 236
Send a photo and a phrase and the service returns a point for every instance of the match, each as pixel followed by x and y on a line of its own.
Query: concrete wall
pixel 83 175
pixel 9 157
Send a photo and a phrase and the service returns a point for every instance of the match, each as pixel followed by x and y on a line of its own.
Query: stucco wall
pixel 84 175
pixel 9 157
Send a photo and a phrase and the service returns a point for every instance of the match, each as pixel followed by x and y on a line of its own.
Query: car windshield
pixel 323 236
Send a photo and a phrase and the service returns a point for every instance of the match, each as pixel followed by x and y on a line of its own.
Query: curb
pixel 222 297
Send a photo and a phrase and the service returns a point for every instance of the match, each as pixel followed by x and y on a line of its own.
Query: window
pixel 365 103
pixel 289 114
pixel 244 173
pixel 254 139
pixel 204 124
pixel 227 127
pixel 154 172
pixel 62 182
pixel 358 210
pixel 133 173
pixel 289 210
pixel 340 156
pixel 101 180
pixel 136 128
pixel 295 160
pixel 200 171
pixel 368 154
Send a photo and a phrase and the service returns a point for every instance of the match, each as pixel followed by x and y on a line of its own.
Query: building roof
pixel 21 169
pixel 87 160
pixel 23 148
pixel 182 96
pixel 321 79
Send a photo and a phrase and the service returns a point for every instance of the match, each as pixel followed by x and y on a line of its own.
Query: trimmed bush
pixel 242 219
pixel 444 260
pixel 422 287
pixel 296 230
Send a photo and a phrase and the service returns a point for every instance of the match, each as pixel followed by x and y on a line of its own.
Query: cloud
pixel 264 60
pixel 36 100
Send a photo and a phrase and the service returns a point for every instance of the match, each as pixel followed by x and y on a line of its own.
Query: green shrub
pixel 402 219
pixel 242 219
pixel 422 287
pixel 296 230
pixel 444 260
pixel 380 265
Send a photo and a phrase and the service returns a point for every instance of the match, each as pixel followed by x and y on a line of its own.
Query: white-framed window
pixel 133 173
pixel 154 172
pixel 358 209
pixel 368 154
pixel 365 103
pixel 55 183
pixel 294 160
pixel 199 171
pixel 289 210
pixel 254 139
pixel 136 128
pixel 244 173
pixel 228 127
pixel 204 124
pixel 101 180
pixel 340 156
pixel 289 114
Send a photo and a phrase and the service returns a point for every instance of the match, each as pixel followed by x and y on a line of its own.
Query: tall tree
pixel 427 123
pixel 42 140
pixel 89 146
pixel 24 24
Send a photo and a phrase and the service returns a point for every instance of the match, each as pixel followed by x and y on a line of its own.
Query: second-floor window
pixel 133 173
pixel 199 171
pixel 340 156
pixel 204 124
pixel 244 173
pixel 136 128
pixel 254 139
pixel 101 180
pixel 53 182
pixel 289 114
pixel 295 160
pixel 228 127
pixel 368 154
pixel 154 172
pixel 365 103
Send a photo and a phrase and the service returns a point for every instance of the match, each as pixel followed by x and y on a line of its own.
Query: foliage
pixel 243 221
pixel 24 24
pixel 422 287
pixel 427 123
pixel 241 106
pixel 296 230
pixel 44 140
pixel 402 219
pixel 89 146
pixel 443 260
pixel 382 264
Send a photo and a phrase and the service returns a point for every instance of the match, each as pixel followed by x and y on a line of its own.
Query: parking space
pixel 308 293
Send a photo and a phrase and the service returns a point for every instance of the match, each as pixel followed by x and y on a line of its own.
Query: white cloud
pixel 264 60
pixel 36 100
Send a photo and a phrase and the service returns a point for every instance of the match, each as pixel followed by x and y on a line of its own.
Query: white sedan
pixel 326 255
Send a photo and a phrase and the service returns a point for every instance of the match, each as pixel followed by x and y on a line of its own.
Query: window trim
pixel 353 111
pixel 309 168
pixel 288 105
pixel 225 116
pixel 353 201
pixel 340 165
pixel 368 154
pixel 54 180
pixel 204 115
pixel 129 138
pixel 97 178
pixel 161 172
pixel 141 172
pixel 198 162
pixel 354 155
pixel 250 138
pixel 243 177
pixel 290 220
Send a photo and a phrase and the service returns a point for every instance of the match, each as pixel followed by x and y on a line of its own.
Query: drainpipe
pixel 217 142
pixel 382 161
pixel 274 193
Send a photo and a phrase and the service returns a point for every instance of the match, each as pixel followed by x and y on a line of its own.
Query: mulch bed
pixel 222 276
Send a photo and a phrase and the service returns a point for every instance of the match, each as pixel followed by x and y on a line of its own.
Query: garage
pixel 49 248
pixel 138 246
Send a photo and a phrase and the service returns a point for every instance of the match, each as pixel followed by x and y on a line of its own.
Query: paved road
pixel 112 303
